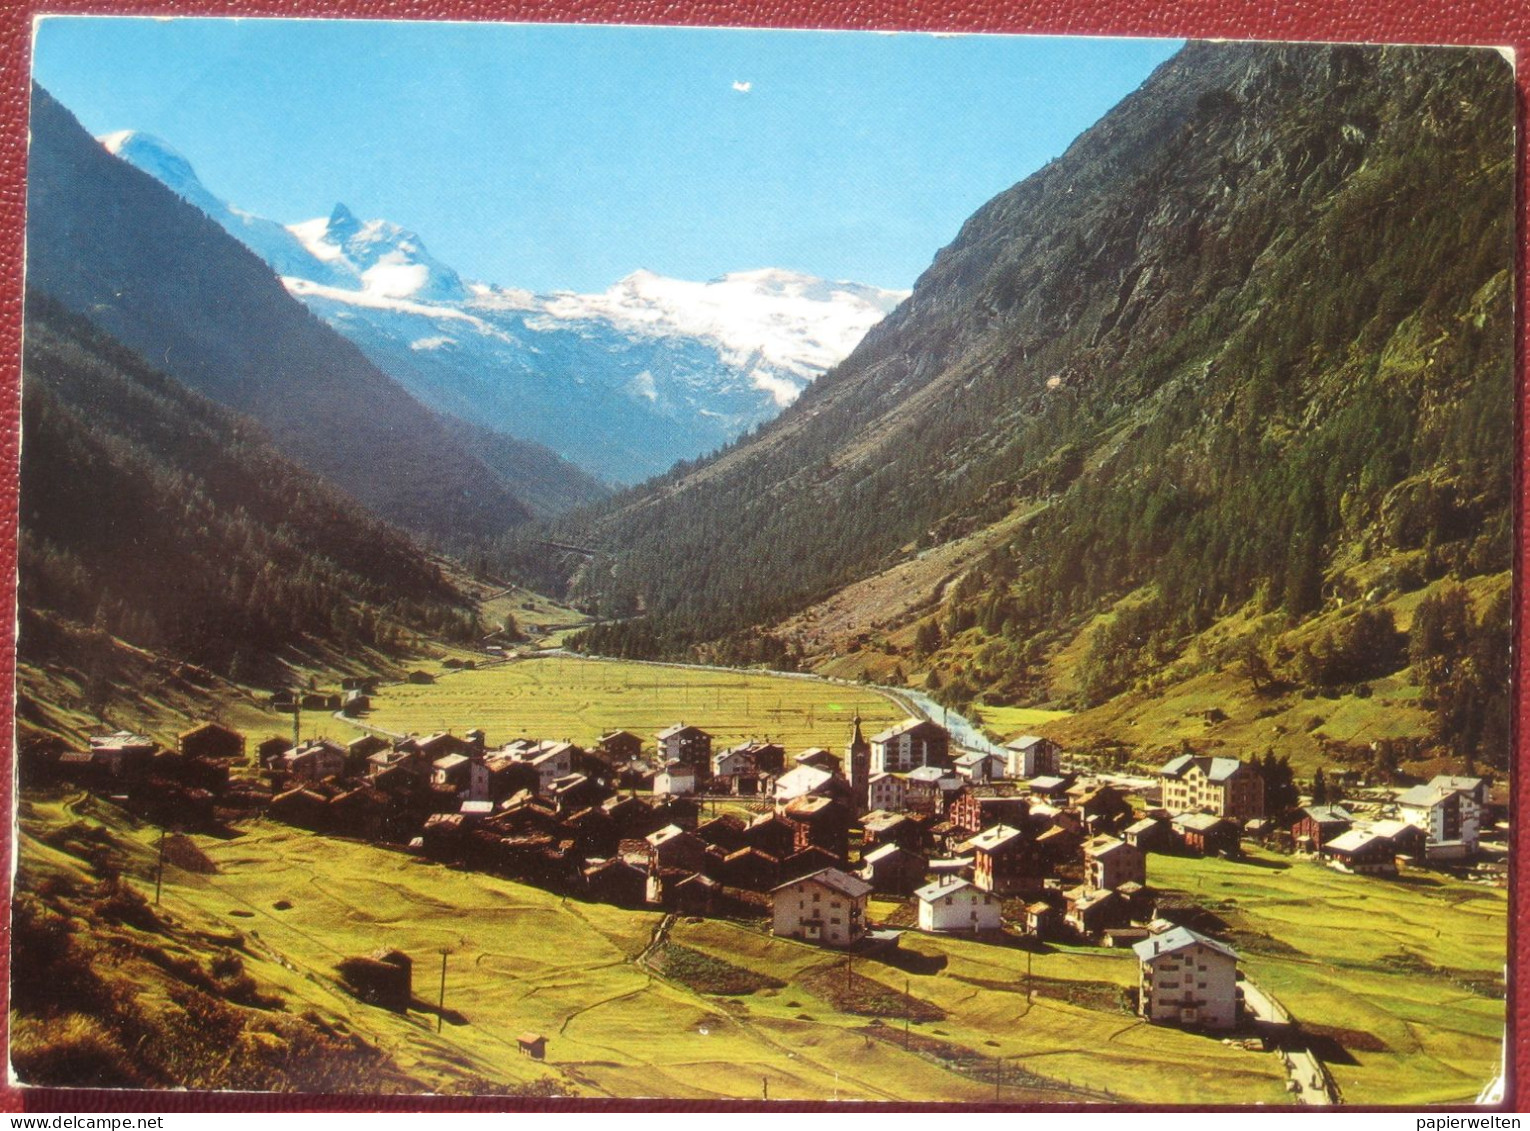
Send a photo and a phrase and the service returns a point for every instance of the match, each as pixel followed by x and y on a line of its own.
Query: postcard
pixel 597 562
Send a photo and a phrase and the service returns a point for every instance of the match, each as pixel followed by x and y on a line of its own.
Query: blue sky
pixel 565 157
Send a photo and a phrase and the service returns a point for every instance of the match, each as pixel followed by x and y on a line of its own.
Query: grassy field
pixel 563 697
pixel 1402 975
pixel 1405 973
pixel 1012 721
pixel 1154 720
pixel 543 620
pixel 1075 1034
pixel 522 959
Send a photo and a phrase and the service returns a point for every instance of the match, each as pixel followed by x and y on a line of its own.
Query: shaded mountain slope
pixel 110 242
pixel 1238 340
pixel 151 514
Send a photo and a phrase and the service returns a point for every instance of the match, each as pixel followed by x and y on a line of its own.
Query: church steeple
pixel 858 758
pixel 857 739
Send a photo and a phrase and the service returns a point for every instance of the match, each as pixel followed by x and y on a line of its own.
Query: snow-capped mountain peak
pixel 782 327
pixel 157 158
pixel 380 257
pixel 624 382
pixel 266 238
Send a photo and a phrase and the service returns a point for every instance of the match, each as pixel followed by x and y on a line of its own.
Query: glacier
pixel 624 383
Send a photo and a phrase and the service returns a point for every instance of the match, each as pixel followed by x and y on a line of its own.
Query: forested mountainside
pixel 1247 344
pixel 113 244
pixel 150 514
pixel 548 484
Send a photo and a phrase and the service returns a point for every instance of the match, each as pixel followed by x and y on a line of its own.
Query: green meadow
pixel 520 959
pixel 564 697
pixel 1008 721
pixel 1406 974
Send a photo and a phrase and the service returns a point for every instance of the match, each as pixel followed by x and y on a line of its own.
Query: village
pixel 1017 844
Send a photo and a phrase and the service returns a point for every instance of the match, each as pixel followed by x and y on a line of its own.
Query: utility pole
pixel 159 871
pixel 908 1009
pixel 1030 993
pixel 297 720
pixel 441 1004
pixel 998 1076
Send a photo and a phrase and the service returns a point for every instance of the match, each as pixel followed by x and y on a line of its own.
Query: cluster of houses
pixel 183 784
pixel 354 697
pixel 1440 820
pixel 973 842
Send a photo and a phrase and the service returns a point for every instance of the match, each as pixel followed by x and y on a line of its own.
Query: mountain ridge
pixel 624 382
pixel 156 272
pixel 1203 351
pixel 127 471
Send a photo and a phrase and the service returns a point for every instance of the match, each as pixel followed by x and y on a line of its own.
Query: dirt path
pixel 795 1052
pixel 1314 1085
pixel 660 935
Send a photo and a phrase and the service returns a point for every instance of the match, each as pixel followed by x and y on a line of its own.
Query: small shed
pixel 533 1045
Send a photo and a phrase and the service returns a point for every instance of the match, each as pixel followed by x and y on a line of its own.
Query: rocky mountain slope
pixel 623 383
pixel 1239 346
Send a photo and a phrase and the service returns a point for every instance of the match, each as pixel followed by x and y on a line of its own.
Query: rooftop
pixel 1353 841
pixel 946 885
pixel 905 727
pixel 1178 938
pixel 1216 769
pixel 1024 742
pixel 842 882
pixel 992 839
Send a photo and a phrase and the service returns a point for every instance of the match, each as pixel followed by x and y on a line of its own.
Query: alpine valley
pixel 378 622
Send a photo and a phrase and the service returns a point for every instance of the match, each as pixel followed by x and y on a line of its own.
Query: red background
pixel 1506 23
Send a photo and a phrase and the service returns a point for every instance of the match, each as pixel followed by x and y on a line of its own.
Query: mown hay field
pixel 520 959
pixel 523 959
pixel 566 697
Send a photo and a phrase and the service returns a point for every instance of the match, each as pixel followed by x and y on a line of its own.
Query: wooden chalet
pixel 1316 825
pixel 724 831
pixel 827 906
pixel 822 822
pixel 617 881
pixel 1206 834
pixel 1362 852
pixel 806 862
pixel 270 751
pixel 1150 834
pixel 1006 862
pixel 688 744
pixel 619 747
pixel 880 828
pixel 211 741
